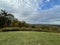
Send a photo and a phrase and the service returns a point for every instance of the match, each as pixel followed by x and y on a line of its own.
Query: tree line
pixel 8 20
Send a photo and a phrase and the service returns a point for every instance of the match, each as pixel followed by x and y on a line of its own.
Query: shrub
pixel 9 29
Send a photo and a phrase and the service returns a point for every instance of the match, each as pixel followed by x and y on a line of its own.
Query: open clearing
pixel 29 38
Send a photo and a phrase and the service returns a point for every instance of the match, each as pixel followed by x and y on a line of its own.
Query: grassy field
pixel 29 38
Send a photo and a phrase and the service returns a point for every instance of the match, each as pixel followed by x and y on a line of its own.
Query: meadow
pixel 29 38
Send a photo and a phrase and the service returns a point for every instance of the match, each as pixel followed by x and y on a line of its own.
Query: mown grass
pixel 29 38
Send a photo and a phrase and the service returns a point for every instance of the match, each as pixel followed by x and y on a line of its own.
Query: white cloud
pixel 47 0
pixel 47 16
pixel 27 10
pixel 22 8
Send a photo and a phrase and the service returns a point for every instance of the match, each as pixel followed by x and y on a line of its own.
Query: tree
pixel 1 22
pixel 3 12
pixel 8 20
pixel 15 23
pixel 5 19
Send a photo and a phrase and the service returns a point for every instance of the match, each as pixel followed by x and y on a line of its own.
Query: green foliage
pixel 4 19
pixel 8 20
pixel 15 23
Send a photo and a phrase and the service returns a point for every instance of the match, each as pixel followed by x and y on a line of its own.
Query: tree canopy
pixel 8 20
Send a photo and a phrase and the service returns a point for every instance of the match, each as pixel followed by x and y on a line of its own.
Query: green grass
pixel 29 38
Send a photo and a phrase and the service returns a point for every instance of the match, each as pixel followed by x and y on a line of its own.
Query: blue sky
pixel 34 11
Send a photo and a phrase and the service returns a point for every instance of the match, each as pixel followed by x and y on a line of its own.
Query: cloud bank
pixel 34 11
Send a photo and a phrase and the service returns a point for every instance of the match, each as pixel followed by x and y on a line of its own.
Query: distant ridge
pixel 46 25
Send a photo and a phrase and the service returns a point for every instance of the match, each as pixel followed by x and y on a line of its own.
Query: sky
pixel 33 11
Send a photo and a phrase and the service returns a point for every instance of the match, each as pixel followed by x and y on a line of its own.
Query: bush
pixel 30 29
pixel 9 29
